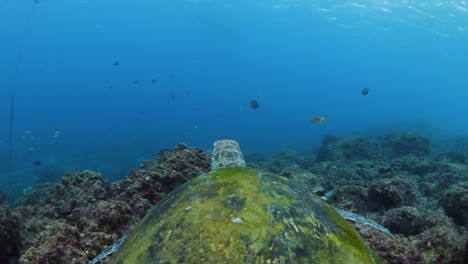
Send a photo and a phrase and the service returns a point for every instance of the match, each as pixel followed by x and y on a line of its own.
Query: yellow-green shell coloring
pixel 243 215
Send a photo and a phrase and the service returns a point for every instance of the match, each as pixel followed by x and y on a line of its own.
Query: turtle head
pixel 226 153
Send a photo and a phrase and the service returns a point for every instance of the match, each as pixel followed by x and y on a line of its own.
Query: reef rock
pixel 76 219
pixel 407 220
pixel 391 193
pixel 455 203
pixel 9 234
pixel 345 148
pixel 408 143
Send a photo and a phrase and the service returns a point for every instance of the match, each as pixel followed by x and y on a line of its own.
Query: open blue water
pixel 75 109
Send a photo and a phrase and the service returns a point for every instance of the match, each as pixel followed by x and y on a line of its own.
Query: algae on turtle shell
pixel 243 215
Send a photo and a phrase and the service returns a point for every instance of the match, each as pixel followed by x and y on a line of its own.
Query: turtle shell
pixel 243 215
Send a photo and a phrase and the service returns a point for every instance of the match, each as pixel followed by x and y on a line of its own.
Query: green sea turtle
pixel 236 214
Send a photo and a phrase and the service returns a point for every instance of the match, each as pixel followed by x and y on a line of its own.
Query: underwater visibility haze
pixel 104 85
pixel 107 107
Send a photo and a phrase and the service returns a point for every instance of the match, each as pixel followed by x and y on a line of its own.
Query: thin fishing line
pixel 13 94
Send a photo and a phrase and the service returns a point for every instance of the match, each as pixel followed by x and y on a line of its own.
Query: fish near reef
pixel 254 104
pixel 365 91
pixel 318 119
pixel 37 163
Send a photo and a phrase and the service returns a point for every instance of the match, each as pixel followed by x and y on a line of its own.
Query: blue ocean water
pixel 104 85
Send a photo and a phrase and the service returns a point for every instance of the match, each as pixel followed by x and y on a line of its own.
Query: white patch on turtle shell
pixel 237 220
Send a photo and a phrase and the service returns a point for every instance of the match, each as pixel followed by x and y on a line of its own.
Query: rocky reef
pixel 411 191
pixel 81 215
pixel 9 233
pixel 399 181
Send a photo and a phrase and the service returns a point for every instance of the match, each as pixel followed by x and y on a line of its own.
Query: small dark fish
pixel 153 81
pixel 116 63
pixel 37 163
pixel 172 96
pixel 254 104
pixel 365 91
pixel 136 82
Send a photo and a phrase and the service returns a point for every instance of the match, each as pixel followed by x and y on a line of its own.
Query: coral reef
pixel 351 197
pixel 455 203
pixel 9 234
pixel 420 196
pixel 83 214
pixel 408 143
pixel 279 162
pixel 392 250
pixel 64 219
pixel 145 187
pixel 406 190
pixel 407 220
pixel 453 157
pixel 346 148
pixel 440 245
pixel 391 193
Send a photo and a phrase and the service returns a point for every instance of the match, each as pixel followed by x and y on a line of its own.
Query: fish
pixel 365 91
pixel 254 104
pixel 116 63
pixel 56 134
pixel 37 163
pixel 153 81
pixel 318 119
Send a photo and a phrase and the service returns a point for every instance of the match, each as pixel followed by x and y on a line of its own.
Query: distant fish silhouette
pixel 136 82
pixel 153 81
pixel 37 163
pixel 254 104
pixel 116 63
pixel 365 91
pixel 318 119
